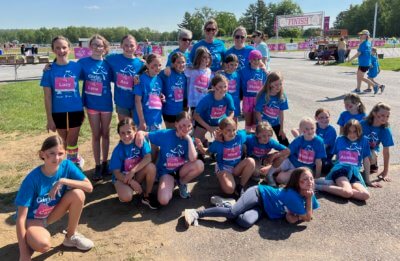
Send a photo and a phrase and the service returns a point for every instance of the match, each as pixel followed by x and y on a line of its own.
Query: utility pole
pixel 376 14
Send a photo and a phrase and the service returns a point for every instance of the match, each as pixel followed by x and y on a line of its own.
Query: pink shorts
pixel 249 103
pixel 96 112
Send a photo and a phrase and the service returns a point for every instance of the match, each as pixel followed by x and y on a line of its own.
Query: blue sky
pixel 161 15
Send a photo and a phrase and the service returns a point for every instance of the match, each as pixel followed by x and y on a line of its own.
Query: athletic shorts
pixel 124 111
pixel 227 168
pixel 363 68
pixel 343 173
pixel 169 118
pixel 67 120
pixel 96 112
pixel 249 104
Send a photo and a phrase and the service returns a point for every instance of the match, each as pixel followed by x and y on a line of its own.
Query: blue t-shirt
pixel 252 81
pixel 364 59
pixel 229 153
pixel 126 157
pixel 35 188
pixel 234 89
pixel 63 80
pixel 271 111
pixel 149 88
pixel 278 201
pixel 174 151
pixel 242 54
pixel 303 153
pixel 374 69
pixel 328 135
pixel 264 49
pixel 186 54
pixel 174 90
pixel 212 111
pixel 376 135
pixel 346 116
pixel 97 76
pixel 351 152
pixel 124 70
pixel 217 50
pixel 258 150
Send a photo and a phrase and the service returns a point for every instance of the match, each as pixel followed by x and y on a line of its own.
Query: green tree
pixel 227 22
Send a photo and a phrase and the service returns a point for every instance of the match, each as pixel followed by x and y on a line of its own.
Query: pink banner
pixel 277 47
pixel 379 43
pixel 326 23
pixel 157 49
pixel 303 45
pixel 82 52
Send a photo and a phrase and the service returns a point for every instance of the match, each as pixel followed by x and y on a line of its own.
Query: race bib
pixel 64 84
pixel 155 102
pixel 306 156
pixel 234 153
pixel 174 162
pixel 201 84
pixel 232 86
pixel 131 163
pixel 94 88
pixel 271 112
pixel 260 152
pixel 178 94
pixel 124 82
pixel 347 156
pixel 43 211
pixel 254 86
pixel 217 112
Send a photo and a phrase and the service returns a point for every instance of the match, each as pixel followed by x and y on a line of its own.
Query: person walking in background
pixel 341 50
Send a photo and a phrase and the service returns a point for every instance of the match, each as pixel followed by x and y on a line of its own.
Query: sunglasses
pixel 211 29
pixel 254 36
pixel 186 39
pixel 239 37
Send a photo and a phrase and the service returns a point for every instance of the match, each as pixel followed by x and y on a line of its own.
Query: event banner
pixel 309 19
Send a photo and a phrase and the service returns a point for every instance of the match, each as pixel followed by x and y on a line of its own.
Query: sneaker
pixel 376 88
pixel 183 191
pixel 81 162
pixel 368 90
pixel 382 87
pixel 79 241
pixel 97 173
pixel 151 202
pixel 104 169
pixel 356 90
pixel 222 202
pixel 191 217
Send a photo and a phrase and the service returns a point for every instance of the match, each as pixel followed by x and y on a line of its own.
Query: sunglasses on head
pixel 186 39
pixel 211 29
pixel 239 37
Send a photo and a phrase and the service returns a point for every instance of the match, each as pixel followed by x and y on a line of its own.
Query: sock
pixel 270 177
pixel 72 153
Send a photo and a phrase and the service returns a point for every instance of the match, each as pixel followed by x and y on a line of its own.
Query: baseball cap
pixel 255 54
pixel 366 32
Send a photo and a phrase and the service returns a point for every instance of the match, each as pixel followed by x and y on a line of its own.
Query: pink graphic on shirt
pixel 260 152
pixel 254 86
pixel 155 102
pixel 43 211
pixel 94 88
pixel 124 82
pixel 306 156
pixel 201 84
pixel 271 112
pixel 234 153
pixel 350 157
pixel 178 94
pixel 232 86
pixel 174 162
pixel 64 84
pixel 217 112
pixel 130 163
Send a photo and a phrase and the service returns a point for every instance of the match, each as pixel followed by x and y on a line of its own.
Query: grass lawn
pixel 391 64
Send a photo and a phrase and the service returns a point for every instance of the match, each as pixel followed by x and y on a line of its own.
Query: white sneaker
pixel 222 202
pixel 81 162
pixel 191 217
pixel 79 241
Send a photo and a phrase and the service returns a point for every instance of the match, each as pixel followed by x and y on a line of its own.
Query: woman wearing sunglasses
pixel 241 50
pixel 215 46
pixel 184 41
pixel 259 44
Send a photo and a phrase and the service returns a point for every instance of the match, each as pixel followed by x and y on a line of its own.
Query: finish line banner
pixel 309 19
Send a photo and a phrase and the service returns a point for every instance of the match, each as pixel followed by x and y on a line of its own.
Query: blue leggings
pixel 247 210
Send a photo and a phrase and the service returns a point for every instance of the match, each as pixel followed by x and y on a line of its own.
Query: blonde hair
pixel 355 99
pixel 306 120
pixel 101 38
pixel 379 106
pixel 264 126
pixel 225 122
pixel 272 77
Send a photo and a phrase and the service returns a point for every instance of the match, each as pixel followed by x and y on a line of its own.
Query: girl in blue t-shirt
pixel 177 158
pixel 376 130
pixel 355 109
pixel 125 66
pixel 174 89
pixel 148 96
pixel 259 146
pixel 131 165
pixel 97 98
pixel 231 73
pixel 63 103
pixel 229 148
pixel 48 193
pixel 252 78
pixel 215 106
pixel 271 102
pixel 345 179
pixel 373 71
pixel 296 203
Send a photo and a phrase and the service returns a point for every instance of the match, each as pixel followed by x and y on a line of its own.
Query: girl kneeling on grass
pixel 295 202
pixel 229 157
pixel 131 165
pixel 46 194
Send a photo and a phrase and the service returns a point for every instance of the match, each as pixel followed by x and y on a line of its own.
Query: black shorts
pixel 169 118
pixel 343 173
pixel 363 68
pixel 66 120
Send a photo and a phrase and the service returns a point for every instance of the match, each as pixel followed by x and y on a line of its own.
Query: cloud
pixel 92 7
